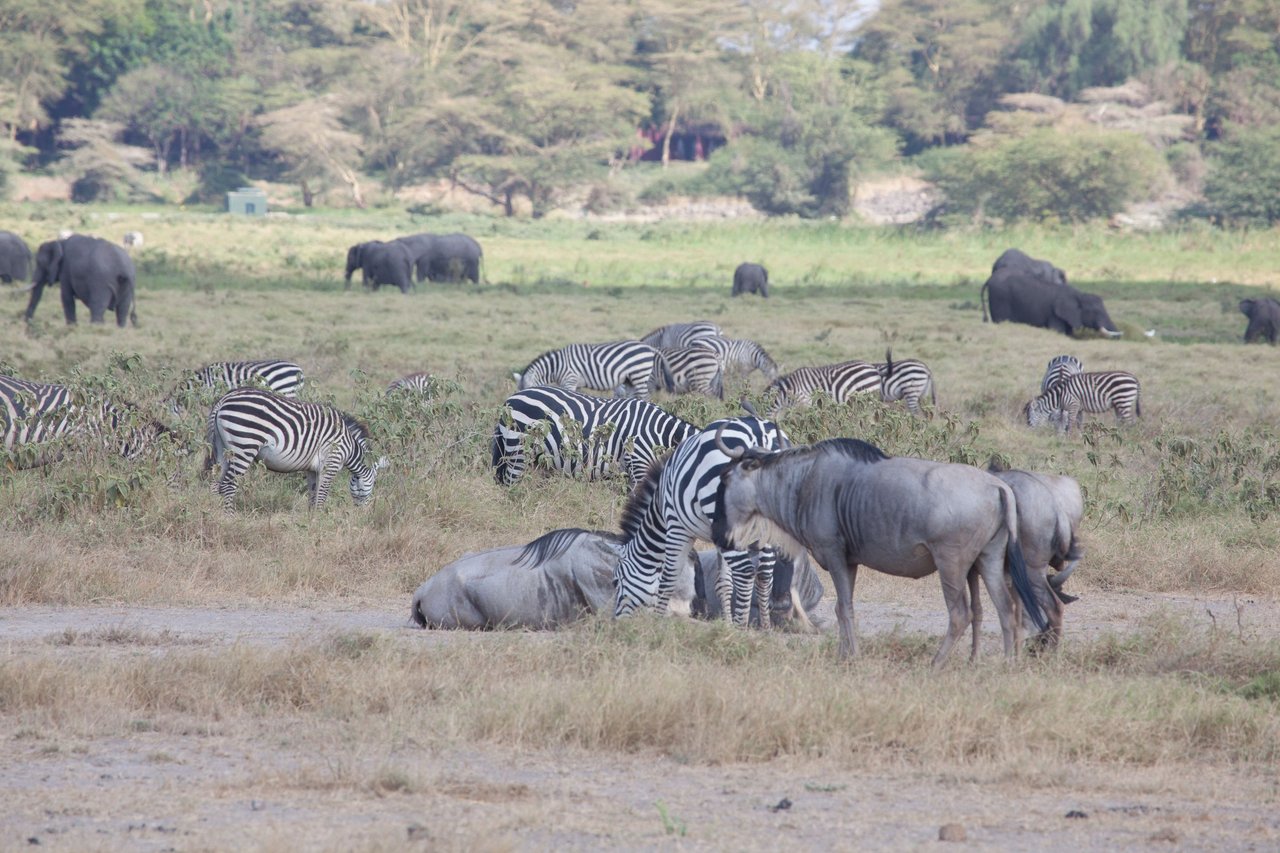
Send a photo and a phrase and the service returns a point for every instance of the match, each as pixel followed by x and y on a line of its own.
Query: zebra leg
pixel 742 570
pixel 764 587
pixel 324 480
pixel 233 466
pixel 676 548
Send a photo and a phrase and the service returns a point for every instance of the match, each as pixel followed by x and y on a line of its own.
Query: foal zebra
pixel 633 367
pixel 413 383
pixel 282 377
pixel 1060 367
pixel 681 334
pixel 839 382
pixel 673 506
pixel 695 370
pixel 37 413
pixel 1068 400
pixel 907 380
pixel 288 435
pixel 582 434
pixel 740 356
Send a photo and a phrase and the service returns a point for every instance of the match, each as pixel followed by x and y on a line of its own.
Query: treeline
pixel 1061 109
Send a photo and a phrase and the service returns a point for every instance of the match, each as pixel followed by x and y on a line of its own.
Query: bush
pixel 1049 175
pixel 1244 182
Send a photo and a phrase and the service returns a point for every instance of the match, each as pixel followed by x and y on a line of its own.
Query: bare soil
pixel 224 788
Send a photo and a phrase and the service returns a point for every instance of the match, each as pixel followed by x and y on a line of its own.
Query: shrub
pixel 1050 175
pixel 1244 182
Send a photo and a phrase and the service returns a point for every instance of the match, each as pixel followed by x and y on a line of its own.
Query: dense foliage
pixel 517 102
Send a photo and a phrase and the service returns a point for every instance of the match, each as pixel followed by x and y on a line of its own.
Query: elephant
pixel 1018 261
pixel 1059 307
pixel 97 272
pixel 751 278
pixel 15 258
pixel 381 263
pixel 1264 318
pixel 445 257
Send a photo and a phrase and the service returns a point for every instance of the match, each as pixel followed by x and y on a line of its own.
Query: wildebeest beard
pixel 756 531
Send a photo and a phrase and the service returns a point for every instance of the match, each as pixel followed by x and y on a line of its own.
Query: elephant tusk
pixel 1110 334
pixel 26 289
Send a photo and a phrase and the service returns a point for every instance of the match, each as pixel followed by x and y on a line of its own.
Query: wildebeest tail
pixel 1016 564
pixel 416 614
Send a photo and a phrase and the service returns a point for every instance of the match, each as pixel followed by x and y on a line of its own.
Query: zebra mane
pixel 850 448
pixel 553 544
pixel 356 426
pixel 640 499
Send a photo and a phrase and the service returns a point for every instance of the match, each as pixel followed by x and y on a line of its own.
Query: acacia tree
pixel 309 138
pixel 100 165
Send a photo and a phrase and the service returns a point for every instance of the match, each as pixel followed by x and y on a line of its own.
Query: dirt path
pixel 163 790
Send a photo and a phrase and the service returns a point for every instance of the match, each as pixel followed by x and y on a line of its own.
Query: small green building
pixel 247 201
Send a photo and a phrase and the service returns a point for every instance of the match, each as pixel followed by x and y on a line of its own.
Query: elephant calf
pixel 1264 318
pixel 751 278
pixel 97 272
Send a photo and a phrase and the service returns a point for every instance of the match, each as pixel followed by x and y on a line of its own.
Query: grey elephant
pixel 15 258
pixel 97 272
pixel 1264 318
pixel 1015 260
pixel 751 278
pixel 445 257
pixel 381 263
pixel 1060 307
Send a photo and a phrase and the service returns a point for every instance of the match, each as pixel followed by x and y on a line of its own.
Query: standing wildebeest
pixel 751 278
pixel 1050 509
pixel 849 504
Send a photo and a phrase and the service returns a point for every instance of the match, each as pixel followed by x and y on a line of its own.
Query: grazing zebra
pixel 907 380
pixel 634 368
pixel 1068 400
pixel 674 505
pixel 1060 367
pixel 288 435
pixel 414 383
pixel 583 434
pixel 695 370
pixel 740 356
pixel 839 382
pixel 37 413
pixel 282 377
pixel 681 334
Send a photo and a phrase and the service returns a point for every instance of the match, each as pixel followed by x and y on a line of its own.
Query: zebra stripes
pixel 907 380
pixel 413 383
pixel 839 382
pixel 631 366
pixel 739 356
pixel 582 434
pixel 1068 400
pixel 37 413
pixel 673 506
pixel 681 334
pixel 288 435
pixel 695 370
pixel 1060 367
pixel 281 377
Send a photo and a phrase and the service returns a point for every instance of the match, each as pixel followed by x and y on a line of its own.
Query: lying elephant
pixel 562 576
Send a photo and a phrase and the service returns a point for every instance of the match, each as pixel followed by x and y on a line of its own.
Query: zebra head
pixel 362 481
pixel 1038 411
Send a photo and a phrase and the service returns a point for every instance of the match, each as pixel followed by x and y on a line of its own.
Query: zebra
pixel 630 366
pixel 676 504
pixel 413 383
pixel 695 370
pixel 282 377
pixel 681 334
pixel 36 413
pixel 837 381
pixel 288 435
pixel 907 380
pixel 583 435
pixel 740 356
pixel 1068 400
pixel 1060 367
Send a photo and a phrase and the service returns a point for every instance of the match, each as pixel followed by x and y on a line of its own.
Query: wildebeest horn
pixel 748 408
pixel 732 454
pixel 1057 580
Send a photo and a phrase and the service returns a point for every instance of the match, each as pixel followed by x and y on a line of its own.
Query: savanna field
pixel 648 731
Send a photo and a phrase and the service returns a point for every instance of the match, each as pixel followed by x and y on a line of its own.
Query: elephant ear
pixel 1247 307
pixel 52 253
pixel 1066 307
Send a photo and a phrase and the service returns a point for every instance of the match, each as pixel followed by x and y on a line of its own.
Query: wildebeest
pixel 849 504
pixel 1050 509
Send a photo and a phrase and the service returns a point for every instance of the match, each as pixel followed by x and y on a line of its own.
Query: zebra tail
pixel 215 444
pixel 498 457
pixel 717 384
pixel 668 378
pixel 888 362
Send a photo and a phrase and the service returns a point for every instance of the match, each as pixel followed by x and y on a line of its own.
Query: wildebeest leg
pixel 843 576
pixel 991 566
pixel 975 613
pixel 953 593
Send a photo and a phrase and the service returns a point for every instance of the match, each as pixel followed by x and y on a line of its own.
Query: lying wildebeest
pixel 1050 509
pixel 560 577
pixel 849 504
